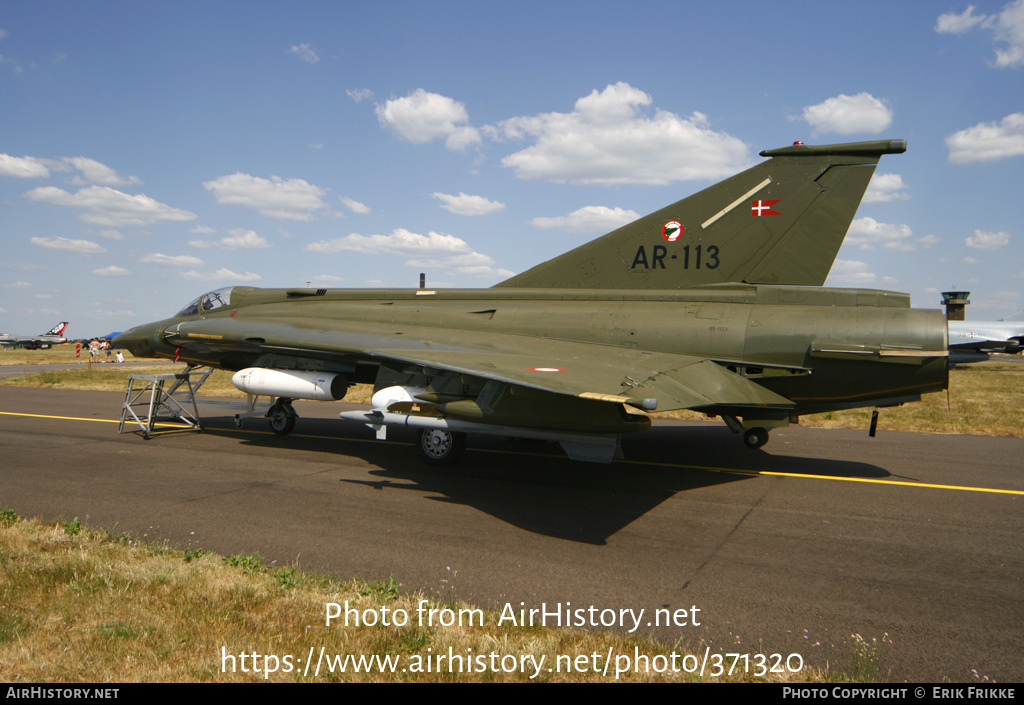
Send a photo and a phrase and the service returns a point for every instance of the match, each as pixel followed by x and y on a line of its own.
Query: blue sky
pixel 153 151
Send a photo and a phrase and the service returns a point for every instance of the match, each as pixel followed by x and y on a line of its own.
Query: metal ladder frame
pixel 163 400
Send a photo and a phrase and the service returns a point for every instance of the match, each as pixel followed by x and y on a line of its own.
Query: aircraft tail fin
pixel 57 329
pixel 779 222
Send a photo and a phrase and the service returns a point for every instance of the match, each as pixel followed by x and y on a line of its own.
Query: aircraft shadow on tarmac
pixel 533 486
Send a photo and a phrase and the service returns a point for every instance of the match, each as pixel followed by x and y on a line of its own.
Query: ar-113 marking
pixel 699 256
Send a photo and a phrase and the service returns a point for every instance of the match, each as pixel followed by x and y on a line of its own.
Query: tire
pixel 755 437
pixel 281 418
pixel 441 447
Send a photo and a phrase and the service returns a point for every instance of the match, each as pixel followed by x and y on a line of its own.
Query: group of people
pixel 98 347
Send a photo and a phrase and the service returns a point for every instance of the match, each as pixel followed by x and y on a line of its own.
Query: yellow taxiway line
pixel 901 483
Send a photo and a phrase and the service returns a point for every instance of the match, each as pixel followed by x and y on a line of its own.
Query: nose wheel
pixel 440 446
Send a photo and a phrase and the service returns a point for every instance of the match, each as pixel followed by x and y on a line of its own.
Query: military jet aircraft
pixel 43 341
pixel 973 341
pixel 712 303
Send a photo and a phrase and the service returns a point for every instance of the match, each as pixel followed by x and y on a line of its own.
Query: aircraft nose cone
pixel 138 340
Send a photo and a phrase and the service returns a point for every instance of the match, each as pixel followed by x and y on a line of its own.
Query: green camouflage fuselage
pixel 822 349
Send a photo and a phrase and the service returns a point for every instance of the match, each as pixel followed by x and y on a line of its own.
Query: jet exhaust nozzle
pixel 291 384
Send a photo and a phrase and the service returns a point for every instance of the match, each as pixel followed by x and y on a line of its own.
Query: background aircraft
pixel 52 337
pixel 972 341
pixel 691 307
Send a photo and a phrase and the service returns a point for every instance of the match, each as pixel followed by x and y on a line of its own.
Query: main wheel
pixel 755 437
pixel 281 417
pixel 440 446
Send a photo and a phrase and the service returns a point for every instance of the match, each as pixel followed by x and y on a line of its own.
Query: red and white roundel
pixel 544 369
pixel 672 230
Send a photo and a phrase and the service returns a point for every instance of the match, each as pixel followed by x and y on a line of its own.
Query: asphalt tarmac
pixel 905 538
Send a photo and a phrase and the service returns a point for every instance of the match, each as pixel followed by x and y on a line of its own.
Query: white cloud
pixel 225 275
pixel 588 220
pixel 982 240
pixel 988 141
pixel 607 140
pixel 63 244
pixel 18 285
pixel 854 272
pixel 22 167
pixel 1007 28
pixel 866 233
pixel 950 23
pixel 111 271
pixel 355 206
pixel 886 187
pixel 324 279
pixel 849 114
pixel 422 117
pixel 93 172
pixel 109 207
pixel 293 199
pixel 464 204
pixel 304 52
pixel 434 251
pixel 463 137
pixel 237 239
pixel 122 313
pixel 360 95
pixel 473 264
pixel 400 242
pixel 171 260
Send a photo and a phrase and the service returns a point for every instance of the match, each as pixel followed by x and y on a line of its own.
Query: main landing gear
pixel 439 446
pixel 281 416
pixel 755 437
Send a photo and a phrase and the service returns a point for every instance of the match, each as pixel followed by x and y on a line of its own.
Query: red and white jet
pixel 52 337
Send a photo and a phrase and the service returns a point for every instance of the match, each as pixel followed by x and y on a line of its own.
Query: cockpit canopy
pixel 208 302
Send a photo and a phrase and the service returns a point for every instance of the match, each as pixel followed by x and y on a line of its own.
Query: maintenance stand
pixel 159 403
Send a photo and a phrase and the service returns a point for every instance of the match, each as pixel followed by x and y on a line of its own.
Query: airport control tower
pixel 955 303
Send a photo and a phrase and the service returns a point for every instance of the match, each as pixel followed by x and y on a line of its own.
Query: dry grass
pixel 983 399
pixel 58 354
pixel 112 377
pixel 88 606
